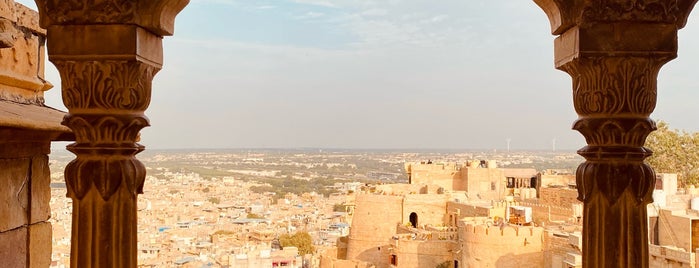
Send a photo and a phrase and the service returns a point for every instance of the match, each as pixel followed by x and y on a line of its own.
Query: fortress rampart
pixel 424 253
pixel 508 246
pixel 429 209
pixel 375 220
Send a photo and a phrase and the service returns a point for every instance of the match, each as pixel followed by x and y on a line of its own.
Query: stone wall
pixel 509 246
pixel 669 257
pixel 429 208
pixel 442 174
pixel 25 234
pixel 484 183
pixel 675 229
pixel 423 253
pixel 562 197
pixel 21 54
pixel 375 221
pixel 548 213
pixel 560 248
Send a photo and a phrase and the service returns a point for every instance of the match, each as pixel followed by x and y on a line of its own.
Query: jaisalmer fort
pixel 100 206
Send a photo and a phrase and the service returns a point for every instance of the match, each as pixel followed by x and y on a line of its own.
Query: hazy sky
pixel 375 74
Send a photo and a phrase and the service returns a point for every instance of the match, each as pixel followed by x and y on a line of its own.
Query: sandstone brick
pixel 14 193
pixel 39 245
pixel 13 248
pixel 26 17
pixel 41 190
pixel 7 9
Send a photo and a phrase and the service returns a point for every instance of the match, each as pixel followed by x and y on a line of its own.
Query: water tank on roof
pixel 660 199
pixel 694 205
pixel 492 164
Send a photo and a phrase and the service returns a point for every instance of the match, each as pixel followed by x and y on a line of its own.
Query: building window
pixel 413 219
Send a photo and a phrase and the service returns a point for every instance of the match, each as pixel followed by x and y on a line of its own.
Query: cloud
pixel 310 15
pixel 322 3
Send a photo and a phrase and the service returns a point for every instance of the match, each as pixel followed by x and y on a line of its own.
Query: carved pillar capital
pixel 613 50
pixel 157 16
pixel 107 53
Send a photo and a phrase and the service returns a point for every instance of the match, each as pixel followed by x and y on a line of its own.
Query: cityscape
pixel 239 208
pixel 228 208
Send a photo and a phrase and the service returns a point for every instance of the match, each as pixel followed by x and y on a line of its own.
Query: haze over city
pixel 375 74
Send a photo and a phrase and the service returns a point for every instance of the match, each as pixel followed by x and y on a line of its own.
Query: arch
pixel 413 219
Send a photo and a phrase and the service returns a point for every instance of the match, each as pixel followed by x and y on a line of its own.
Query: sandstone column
pixel 107 53
pixel 613 50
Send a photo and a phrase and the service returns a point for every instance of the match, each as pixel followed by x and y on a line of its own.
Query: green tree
pixel 675 151
pixel 255 216
pixel 301 240
pixel 339 208
pixel 214 200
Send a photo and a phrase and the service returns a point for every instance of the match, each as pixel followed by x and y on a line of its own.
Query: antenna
pixel 508 144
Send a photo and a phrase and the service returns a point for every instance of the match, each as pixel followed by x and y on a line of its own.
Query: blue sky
pixel 375 74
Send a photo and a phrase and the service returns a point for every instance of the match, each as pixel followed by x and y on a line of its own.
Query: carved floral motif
pixel 120 85
pixel 107 175
pixel 614 85
pixel 90 12
pixel 636 10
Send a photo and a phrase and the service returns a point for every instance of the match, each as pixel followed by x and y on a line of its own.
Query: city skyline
pixel 374 74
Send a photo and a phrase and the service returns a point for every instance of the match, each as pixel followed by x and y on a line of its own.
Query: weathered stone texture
pixel 13 248
pixel 14 193
pixel 40 190
pixel 39 247
pixel 424 253
pixel 510 246
pixel 376 218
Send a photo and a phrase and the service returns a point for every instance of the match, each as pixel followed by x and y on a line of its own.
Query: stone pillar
pixel 613 50
pixel 107 53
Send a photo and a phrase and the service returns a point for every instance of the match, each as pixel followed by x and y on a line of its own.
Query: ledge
pixel 34 118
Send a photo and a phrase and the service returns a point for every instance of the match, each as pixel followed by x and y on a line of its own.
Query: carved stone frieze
pixel 90 12
pixel 106 85
pixel 632 10
pixel 158 16
pixel 105 175
pixel 614 85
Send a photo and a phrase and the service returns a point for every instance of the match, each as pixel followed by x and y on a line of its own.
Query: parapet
pixel 479 230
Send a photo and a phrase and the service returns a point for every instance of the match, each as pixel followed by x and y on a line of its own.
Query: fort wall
pixel 509 246
pixel 423 253
pixel 375 221
pixel 430 209
pixel 440 174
